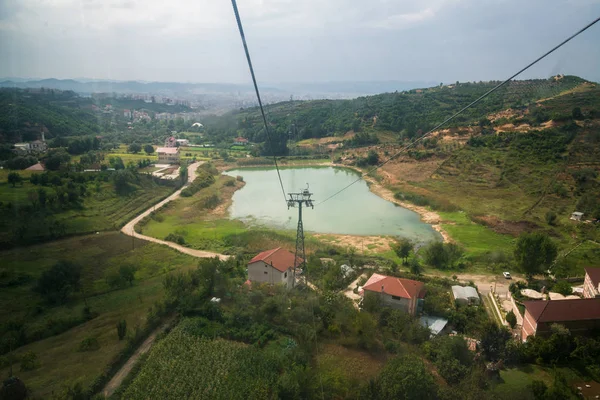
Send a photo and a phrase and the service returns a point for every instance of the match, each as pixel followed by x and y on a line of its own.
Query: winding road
pixel 129 228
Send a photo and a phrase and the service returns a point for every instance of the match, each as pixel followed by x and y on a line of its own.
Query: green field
pixel 99 256
pixel 102 209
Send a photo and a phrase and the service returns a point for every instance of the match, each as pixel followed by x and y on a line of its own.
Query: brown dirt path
pixel 129 228
pixel 117 379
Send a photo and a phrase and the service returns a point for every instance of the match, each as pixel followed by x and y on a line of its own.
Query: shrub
pixel 563 287
pixel 173 237
pixel 511 318
pixel 551 218
pixel 239 178
pixel 89 344
pixel 230 183
pixel 57 283
pixel 122 329
pixel 29 361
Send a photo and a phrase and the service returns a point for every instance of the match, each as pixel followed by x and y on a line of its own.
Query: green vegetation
pixel 55 332
pixel 56 204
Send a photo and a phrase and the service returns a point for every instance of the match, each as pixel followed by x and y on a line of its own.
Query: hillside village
pixel 123 275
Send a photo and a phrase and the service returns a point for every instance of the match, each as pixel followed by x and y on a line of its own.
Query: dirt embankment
pixel 429 217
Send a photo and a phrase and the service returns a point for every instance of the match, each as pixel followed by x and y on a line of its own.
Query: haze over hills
pixel 220 96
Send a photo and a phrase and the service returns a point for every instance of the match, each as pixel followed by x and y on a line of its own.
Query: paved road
pixel 128 229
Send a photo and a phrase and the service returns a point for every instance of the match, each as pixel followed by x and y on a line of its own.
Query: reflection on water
pixel 356 211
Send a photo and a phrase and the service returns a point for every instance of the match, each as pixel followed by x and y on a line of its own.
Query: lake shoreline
pixel 427 216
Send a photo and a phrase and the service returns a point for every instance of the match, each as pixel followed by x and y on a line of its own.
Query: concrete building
pixel 240 141
pixel 182 142
pixel 170 142
pixel 403 294
pixel 591 284
pixel 168 155
pixel 273 266
pixel 579 316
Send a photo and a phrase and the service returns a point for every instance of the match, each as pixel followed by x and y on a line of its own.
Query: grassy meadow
pixel 61 328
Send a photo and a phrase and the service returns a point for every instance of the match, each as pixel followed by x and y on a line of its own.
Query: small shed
pixel 576 216
pixel 465 294
pixel 435 324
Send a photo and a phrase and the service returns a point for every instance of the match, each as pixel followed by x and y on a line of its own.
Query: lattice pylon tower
pixel 300 199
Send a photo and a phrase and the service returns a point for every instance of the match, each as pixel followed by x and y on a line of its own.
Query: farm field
pixel 186 366
pixel 55 332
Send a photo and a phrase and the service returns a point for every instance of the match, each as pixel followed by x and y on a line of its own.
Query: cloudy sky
pixel 296 40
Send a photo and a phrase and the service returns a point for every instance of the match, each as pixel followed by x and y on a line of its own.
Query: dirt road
pixel 349 292
pixel 129 228
pixel 117 379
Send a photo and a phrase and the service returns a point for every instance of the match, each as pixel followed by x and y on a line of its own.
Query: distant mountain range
pixel 302 90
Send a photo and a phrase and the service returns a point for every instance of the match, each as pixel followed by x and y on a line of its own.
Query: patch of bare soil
pixel 410 170
pixel 513 228
pixel 364 244
pixel 226 199
pixel 509 113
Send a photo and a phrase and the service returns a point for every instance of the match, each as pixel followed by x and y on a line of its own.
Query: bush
pixel 211 201
pixel 551 218
pixel 29 361
pixel 57 283
pixel 89 344
pixel 511 318
pixel 563 287
pixel 173 237
pixel 230 183
pixel 239 178
pixel 122 329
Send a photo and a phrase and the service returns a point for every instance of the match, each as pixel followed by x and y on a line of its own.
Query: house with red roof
pixel 240 141
pixel 579 316
pixel 591 284
pixel 273 266
pixel 404 294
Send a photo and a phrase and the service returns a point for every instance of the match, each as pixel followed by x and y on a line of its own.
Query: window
pixel 396 298
pixel 285 275
pixel 266 272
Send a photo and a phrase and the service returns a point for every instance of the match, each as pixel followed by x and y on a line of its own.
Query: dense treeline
pixel 23 114
pixel 406 113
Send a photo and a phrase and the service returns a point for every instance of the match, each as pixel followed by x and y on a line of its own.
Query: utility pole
pixel 300 199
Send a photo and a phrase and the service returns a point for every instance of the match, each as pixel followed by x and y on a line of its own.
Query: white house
pixel 183 142
pixel 273 266
pixel 591 284
pixel 168 155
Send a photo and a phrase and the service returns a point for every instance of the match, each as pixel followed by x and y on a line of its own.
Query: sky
pixel 296 40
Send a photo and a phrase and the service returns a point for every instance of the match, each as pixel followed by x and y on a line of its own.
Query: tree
pixel 402 249
pixel 406 378
pixel 415 266
pixel 435 255
pixel 56 158
pixel 551 218
pixel 511 318
pixel 127 273
pixel 134 148
pixel 576 113
pixel 534 251
pixel 372 158
pixel 14 178
pixel 493 341
pixel 57 283
pixel 149 149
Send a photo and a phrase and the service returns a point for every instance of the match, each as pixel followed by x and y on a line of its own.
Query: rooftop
pixel 393 286
pixel 278 258
pixel 168 150
pixel 594 274
pixel 566 310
